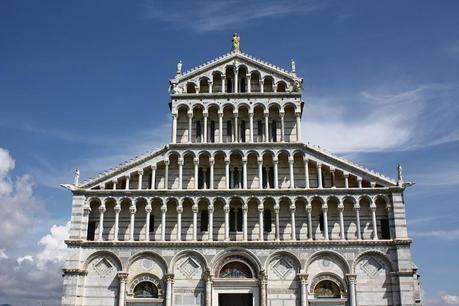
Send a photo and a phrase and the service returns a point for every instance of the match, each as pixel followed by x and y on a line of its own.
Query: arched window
pixel 190 88
pixel 235 269
pixel 268 84
pixel 243 130
pixel 242 85
pixel 274 131
pixel 281 87
pixel 267 221
pixel 198 131
pixel 146 290
pixel 327 289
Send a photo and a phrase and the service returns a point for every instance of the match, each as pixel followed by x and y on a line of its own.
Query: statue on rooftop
pixel 76 177
pixel 236 43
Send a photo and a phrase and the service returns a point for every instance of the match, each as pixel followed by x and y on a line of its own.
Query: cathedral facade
pixel 236 210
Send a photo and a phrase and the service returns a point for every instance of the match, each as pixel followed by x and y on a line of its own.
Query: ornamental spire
pixel 76 177
pixel 236 43
pixel 400 174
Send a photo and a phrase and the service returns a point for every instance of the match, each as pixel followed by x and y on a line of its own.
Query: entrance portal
pixel 235 299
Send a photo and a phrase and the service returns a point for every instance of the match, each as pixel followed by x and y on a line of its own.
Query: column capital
pixel 351 277
pixel 261 207
pixel 263 277
pixel 117 208
pixel 220 114
pixel 373 184
pixel 291 160
pixel 226 208
pixel 122 276
pixel 235 113
pixel 140 172
pixel 373 207
pixel 319 165
pixel 251 113
pixel 194 208
pixel 180 161
pixel 164 208
pixel 133 208
pixel 212 161
pixel 148 208
pixel 346 174
pixel 332 169
pixel 340 207
pixel 190 115
pixel 276 208
pixel 359 179
pixel 102 208
pixel 309 207
pixel 282 113
pixel 179 208
pixel 227 160
pixel 245 207
pixel 324 207
pixel 260 160
pixel 303 277
pixel 153 167
pixel 169 277
pixel 356 206
pixel 205 114
pixel 266 113
pixel 292 207
pixel 208 276
pixel 196 161
pixel 210 208
pixel 174 115
pixel 275 160
pixel 167 162
pixel 244 159
pixel 297 114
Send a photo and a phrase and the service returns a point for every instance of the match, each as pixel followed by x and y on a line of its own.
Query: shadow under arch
pixel 156 256
pixel 219 260
pixel 339 257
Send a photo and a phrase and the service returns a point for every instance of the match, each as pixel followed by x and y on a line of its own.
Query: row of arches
pixel 238 219
pixel 325 274
pixel 236 80
pixel 242 122
pixel 237 169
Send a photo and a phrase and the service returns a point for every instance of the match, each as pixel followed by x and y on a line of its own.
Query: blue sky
pixel 85 84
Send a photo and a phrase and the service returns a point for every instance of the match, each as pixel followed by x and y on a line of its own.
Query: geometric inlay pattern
pixel 147 263
pixel 103 267
pixel 282 268
pixel 371 267
pixel 189 267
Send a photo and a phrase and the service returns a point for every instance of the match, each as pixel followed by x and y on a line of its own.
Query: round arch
pixel 236 253
pixel 196 255
pixel 290 255
pixel 156 256
pixel 376 253
pixel 104 254
pixel 332 254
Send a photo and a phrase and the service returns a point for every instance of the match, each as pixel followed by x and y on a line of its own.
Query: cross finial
pixel 236 43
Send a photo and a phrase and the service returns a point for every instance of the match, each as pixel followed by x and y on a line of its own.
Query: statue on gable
pixel 400 174
pixel 76 177
pixel 293 65
pixel 236 43
pixel 179 69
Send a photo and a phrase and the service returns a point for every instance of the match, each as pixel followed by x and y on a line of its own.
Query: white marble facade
pixel 236 210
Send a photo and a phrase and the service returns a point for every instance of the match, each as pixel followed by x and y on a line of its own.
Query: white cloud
pixel 17 203
pixel 382 120
pixel 3 254
pixel 447 235
pixel 31 278
pixel 440 299
pixel 449 299
pixel 206 16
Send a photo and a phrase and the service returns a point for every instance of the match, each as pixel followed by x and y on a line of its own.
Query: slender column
pixel 357 218
pixel 236 80
pixel 359 182
pixel 309 211
pixel 195 221
pixel 292 174
pixel 276 173
pixel 223 83
pixel 163 221
pixel 306 172
pixel 209 282
pixel 282 126
pixel 211 221
pixel 263 284
pixel 114 184
pixel 140 173
pixel 346 180
pixel 292 215
pixel 244 174
pixel 236 132
pixel 220 126
pixel 325 213
pixel 174 128
pixel 260 173
pixel 153 177
pixel 166 174
pixel 117 219
pixel 298 126
pixel 227 174
pixel 169 282
pixel 205 114
pixel 266 127
pixel 132 210
pixel 341 220
pixel 251 126
pixel 303 277
pixel 351 278
pixel 210 86
pixel 128 177
pixel 180 173
pixel 190 126
pixel 147 221
pixel 179 220
pixel 122 276
pixel 226 208
pixel 373 217
pixel 332 172
pixel 245 208
pixel 260 221
pixel 249 88
pixel 212 163
pixel 276 212
pixel 319 175
pixel 261 86
pixel 196 172
pixel 101 220
pixel 373 184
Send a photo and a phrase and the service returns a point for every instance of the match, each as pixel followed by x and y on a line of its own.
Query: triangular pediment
pixel 238 59
pixel 314 154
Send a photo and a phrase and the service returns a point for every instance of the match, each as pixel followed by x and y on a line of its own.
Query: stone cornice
pixel 260 193
pixel 264 244
pixel 241 96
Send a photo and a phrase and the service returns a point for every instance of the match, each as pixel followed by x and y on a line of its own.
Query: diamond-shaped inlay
pixel 282 268
pixel 371 267
pixel 103 267
pixel 189 267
